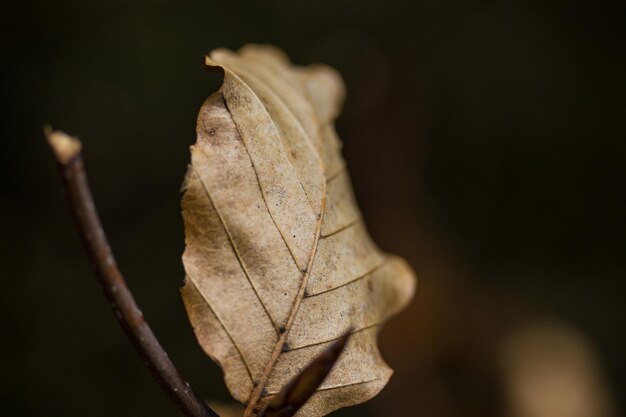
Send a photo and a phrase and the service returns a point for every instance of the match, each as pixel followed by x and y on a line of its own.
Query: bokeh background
pixel 486 143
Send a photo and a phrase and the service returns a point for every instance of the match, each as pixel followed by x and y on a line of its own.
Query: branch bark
pixel 67 151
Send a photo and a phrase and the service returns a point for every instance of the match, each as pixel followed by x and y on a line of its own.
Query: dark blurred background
pixel 486 142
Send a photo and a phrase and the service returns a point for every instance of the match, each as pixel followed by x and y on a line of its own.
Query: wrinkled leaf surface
pixel 278 261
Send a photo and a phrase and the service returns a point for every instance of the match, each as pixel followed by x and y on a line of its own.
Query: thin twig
pixel 67 151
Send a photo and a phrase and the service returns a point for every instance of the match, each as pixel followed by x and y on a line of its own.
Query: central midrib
pixel 255 395
pixel 260 384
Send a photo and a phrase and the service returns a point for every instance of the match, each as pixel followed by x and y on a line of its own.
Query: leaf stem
pixel 67 151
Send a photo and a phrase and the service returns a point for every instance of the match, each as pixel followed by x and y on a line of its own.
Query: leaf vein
pixel 352 281
pixel 295 118
pixel 369 326
pixel 337 173
pixel 232 340
pixel 237 254
pixel 258 390
pixel 337 386
pixel 342 228
pixel 267 207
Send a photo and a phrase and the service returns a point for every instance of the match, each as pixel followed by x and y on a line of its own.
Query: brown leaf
pixel 277 257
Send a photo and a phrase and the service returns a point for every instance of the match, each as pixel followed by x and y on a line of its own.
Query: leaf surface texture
pixel 278 260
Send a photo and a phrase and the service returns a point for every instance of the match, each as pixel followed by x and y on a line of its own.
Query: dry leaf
pixel 277 258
